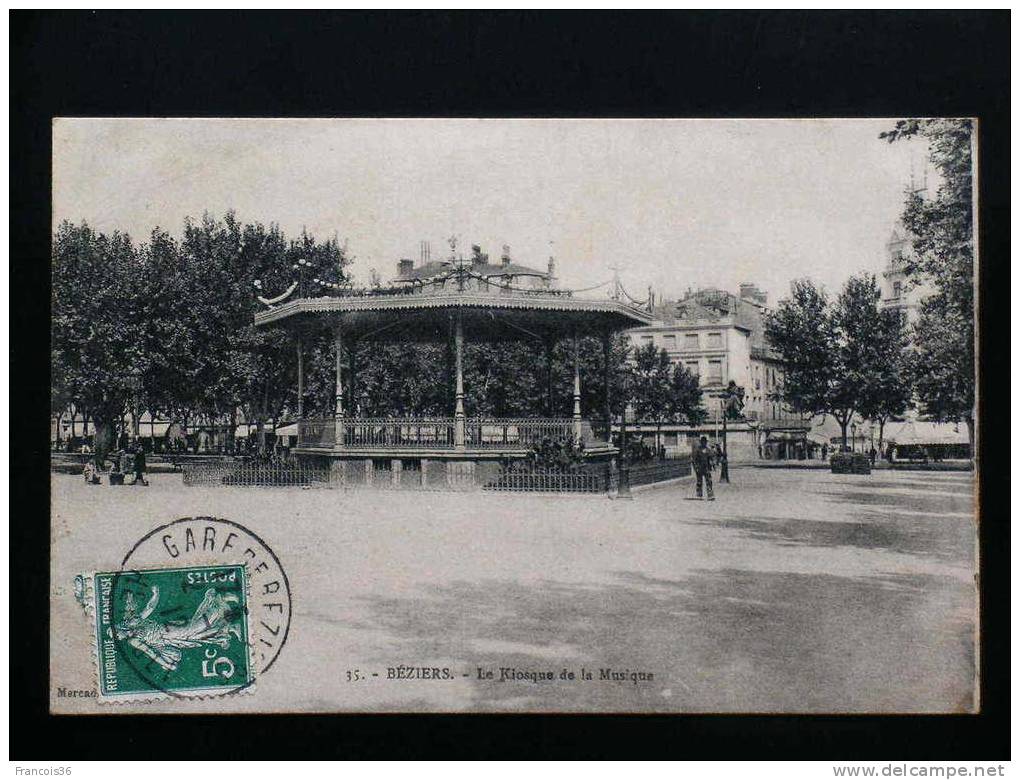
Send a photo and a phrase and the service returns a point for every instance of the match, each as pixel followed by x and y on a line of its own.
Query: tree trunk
pixel 184 429
pixel 969 419
pixel 231 443
pixel 105 432
pixel 262 419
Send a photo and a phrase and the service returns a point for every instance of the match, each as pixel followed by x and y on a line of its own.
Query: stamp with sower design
pixel 182 631
pixel 200 607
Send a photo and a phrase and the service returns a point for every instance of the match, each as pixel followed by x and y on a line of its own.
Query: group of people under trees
pixel 130 460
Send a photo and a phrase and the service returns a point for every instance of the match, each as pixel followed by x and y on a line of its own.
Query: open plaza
pixel 795 591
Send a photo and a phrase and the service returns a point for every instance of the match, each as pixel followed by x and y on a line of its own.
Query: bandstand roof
pixel 427 316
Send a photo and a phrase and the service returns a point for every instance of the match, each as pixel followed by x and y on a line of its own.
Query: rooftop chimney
pixel 750 292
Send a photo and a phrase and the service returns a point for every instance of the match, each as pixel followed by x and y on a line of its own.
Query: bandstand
pixel 454 303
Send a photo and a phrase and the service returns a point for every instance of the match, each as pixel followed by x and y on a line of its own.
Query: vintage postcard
pixel 516 416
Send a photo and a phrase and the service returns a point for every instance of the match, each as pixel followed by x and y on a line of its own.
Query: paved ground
pixel 794 591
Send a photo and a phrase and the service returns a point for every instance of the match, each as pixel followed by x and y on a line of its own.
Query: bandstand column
pixel 577 390
pixel 352 394
pixel 549 346
pixel 338 408
pixel 458 408
pixel 607 377
pixel 300 381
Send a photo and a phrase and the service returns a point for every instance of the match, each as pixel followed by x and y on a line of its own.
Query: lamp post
pixel 623 477
pixel 853 437
pixel 300 267
pixel 724 467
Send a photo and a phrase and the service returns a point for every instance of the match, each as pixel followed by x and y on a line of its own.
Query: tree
pixel 943 241
pixel 835 358
pixel 96 324
pixel 944 349
pixel 685 397
pixel 858 382
pixel 891 390
pixel 167 327
pixel 651 372
pixel 800 329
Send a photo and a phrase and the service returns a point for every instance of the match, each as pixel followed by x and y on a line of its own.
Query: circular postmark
pixel 208 587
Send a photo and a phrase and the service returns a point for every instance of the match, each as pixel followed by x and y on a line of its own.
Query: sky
pixel 673 204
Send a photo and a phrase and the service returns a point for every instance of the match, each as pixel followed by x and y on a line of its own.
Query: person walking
pixel 140 465
pixel 701 460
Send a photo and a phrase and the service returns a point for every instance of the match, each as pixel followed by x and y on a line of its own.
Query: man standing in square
pixel 701 460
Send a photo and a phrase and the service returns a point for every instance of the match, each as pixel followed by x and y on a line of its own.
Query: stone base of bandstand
pixel 455 470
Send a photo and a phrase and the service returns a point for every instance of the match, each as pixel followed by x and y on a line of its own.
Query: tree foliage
pixel 942 230
pixel 662 391
pixel 800 329
pixel 942 361
pixel 98 318
pixel 892 380
pixel 840 357
pixel 167 327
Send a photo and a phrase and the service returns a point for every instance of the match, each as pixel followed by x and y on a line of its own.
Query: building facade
pixel 899 293
pixel 720 337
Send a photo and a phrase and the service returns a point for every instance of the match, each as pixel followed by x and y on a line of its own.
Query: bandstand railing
pixel 438 433
pixel 407 433
pixel 515 433
pixel 316 433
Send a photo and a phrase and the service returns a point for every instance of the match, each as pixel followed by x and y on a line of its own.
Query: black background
pixel 663 64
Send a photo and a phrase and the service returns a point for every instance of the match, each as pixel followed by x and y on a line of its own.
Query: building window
pixel 646 340
pixel 691 341
pixel 714 340
pixel 669 341
pixel 897 288
pixel 715 371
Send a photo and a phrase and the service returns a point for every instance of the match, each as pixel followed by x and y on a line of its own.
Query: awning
pixel 288 430
pixel 786 436
pixel 919 433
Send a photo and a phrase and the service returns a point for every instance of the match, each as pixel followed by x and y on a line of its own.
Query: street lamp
pixel 623 476
pixel 853 437
pixel 300 267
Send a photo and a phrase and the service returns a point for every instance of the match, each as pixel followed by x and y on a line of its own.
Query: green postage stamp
pixel 181 632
